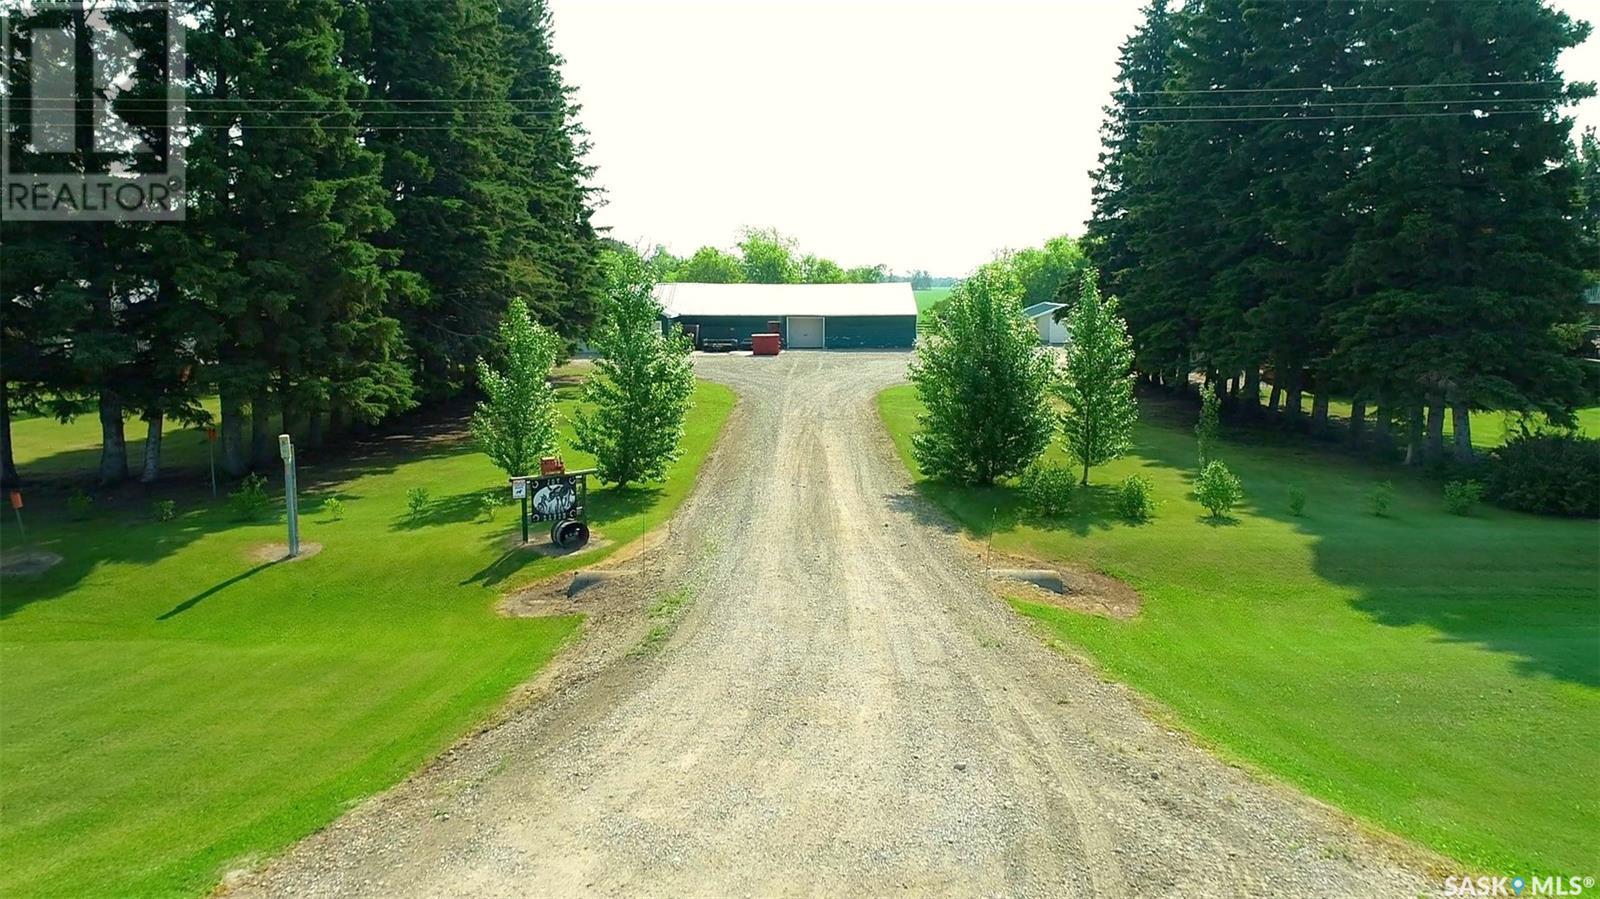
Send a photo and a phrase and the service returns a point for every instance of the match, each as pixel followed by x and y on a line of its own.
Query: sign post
pixel 560 499
pixel 286 450
pixel 519 490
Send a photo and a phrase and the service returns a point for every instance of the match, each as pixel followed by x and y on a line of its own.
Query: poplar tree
pixel 515 423
pixel 984 383
pixel 1096 381
pixel 643 381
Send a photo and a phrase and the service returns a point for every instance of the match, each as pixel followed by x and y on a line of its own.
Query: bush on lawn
pixel 487 503
pixel 1135 497
pixel 1381 498
pixel 335 508
pixel 1048 489
pixel 250 502
pixel 1297 501
pixel 1218 489
pixel 1461 497
pixel 417 499
pixel 1553 472
pixel 164 509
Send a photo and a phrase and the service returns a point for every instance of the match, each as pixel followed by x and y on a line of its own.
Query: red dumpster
pixel 765 344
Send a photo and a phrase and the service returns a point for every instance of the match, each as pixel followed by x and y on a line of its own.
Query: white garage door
pixel 806 332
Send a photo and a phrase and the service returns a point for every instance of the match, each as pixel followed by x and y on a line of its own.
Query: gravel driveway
pixel 846 709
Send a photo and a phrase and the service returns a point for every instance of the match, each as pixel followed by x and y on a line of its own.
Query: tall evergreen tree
pixel 557 189
pixel 1465 253
pixel 289 193
pixel 1143 69
pixel 454 155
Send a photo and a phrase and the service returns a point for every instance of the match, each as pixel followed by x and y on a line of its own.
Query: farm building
pixel 809 316
pixel 1043 316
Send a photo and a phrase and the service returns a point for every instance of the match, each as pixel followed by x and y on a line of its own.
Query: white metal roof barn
pixel 809 316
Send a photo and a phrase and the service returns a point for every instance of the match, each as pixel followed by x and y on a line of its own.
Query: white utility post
pixel 286 450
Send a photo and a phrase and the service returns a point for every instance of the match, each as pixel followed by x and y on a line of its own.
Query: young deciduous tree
pixel 984 381
pixel 1205 430
pixel 516 422
pixel 643 381
pixel 1096 382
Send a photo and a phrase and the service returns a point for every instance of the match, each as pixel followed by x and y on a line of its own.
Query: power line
pixel 1338 87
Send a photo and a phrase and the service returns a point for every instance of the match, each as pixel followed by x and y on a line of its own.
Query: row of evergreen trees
pixel 368 182
pixel 1377 200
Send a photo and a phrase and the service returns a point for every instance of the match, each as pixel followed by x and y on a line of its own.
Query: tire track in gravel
pixel 845 709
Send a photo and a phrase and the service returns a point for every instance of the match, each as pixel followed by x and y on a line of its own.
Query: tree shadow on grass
pixel 1511 583
pixel 454 509
pixel 983 512
pixel 205 594
pixel 120 529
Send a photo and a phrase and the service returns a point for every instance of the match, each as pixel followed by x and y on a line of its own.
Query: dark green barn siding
pixel 848 332
pixel 843 331
pixel 719 327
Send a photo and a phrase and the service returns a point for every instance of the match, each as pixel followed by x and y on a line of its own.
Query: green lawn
pixel 171 707
pixel 1437 675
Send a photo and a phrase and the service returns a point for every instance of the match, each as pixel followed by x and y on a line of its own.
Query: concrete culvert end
pixel 1042 578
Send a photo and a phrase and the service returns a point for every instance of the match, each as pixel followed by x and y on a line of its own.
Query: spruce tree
pixel 643 381
pixel 556 188
pixel 1142 70
pixel 1466 254
pixel 984 383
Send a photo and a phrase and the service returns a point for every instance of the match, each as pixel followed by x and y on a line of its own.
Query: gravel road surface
pixel 845 709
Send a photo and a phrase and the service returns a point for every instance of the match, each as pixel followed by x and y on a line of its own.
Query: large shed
pixel 809 316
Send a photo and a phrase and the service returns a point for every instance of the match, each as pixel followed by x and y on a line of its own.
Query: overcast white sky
pixel 914 133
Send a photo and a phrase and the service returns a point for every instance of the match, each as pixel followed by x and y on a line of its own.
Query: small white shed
pixel 1044 318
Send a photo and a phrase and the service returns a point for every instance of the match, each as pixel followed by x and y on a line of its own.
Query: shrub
pixel 80 505
pixel 334 506
pixel 1135 498
pixel 1297 501
pixel 1461 497
pixel 1553 472
pixel 1380 498
pixel 1218 489
pixel 417 500
pixel 250 501
pixel 1048 489
pixel 487 503
pixel 164 509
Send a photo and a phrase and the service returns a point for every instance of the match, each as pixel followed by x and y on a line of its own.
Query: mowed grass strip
pixel 171 707
pixel 1433 674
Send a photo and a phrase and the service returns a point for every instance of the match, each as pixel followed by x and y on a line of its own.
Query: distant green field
pixel 1433 674
pixel 933 296
pixel 172 706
